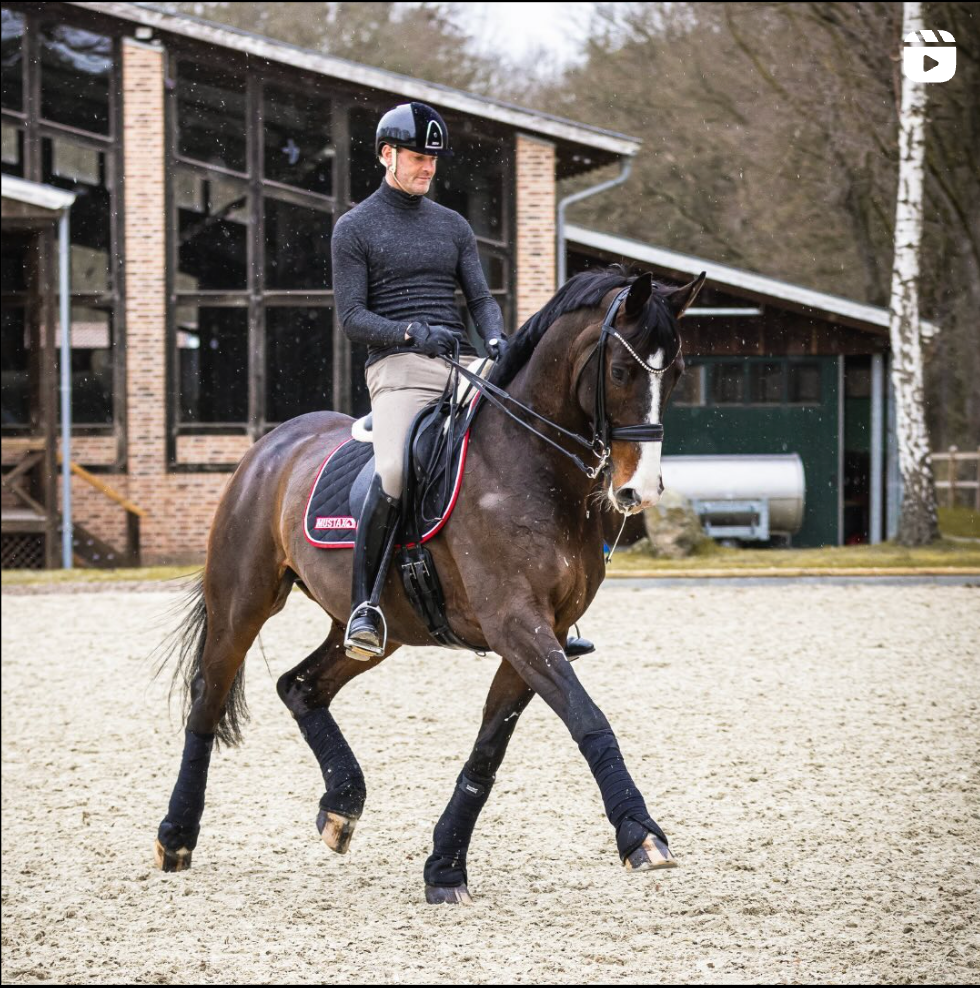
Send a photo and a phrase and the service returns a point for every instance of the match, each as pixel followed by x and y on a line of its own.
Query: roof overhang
pixel 573 138
pixel 748 284
pixel 45 198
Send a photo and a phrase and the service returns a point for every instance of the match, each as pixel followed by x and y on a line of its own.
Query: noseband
pixel 602 432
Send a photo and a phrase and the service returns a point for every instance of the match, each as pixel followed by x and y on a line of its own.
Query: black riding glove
pixel 497 346
pixel 432 340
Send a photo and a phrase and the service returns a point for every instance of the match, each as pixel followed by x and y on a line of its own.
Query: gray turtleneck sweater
pixel 396 259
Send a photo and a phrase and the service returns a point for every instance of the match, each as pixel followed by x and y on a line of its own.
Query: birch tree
pixel 918 521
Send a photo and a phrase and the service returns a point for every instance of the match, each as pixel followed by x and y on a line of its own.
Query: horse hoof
pixel 336 830
pixel 652 853
pixel 457 895
pixel 166 860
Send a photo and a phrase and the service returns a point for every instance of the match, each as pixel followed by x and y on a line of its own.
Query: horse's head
pixel 642 365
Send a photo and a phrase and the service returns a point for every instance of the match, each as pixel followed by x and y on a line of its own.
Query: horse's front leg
pixel 531 647
pixel 445 870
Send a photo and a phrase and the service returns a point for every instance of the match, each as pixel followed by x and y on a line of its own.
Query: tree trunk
pixel 918 521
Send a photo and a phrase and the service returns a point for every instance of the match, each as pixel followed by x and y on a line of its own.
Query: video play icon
pixel 931 61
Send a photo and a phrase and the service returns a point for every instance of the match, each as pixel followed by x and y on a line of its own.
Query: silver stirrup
pixel 353 645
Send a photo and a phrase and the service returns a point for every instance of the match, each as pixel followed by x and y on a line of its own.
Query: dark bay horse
pixel 520 560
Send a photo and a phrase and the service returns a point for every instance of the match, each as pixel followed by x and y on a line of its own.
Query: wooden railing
pixel 29 530
pixel 31 522
pixel 948 477
pixel 133 511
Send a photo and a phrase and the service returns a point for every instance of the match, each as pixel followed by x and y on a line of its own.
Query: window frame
pixel 255 295
pixel 706 367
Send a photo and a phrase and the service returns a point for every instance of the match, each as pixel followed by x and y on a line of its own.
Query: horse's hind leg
pixel 224 620
pixel 445 870
pixel 308 690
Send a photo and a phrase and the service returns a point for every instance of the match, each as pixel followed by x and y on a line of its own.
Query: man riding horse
pixel 396 259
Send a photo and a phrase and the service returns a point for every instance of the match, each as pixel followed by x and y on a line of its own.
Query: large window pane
pixel 12 154
pixel 91 366
pixel 298 149
pixel 472 183
pixel 366 171
pixel 297 246
pixel 727 384
pixel 68 164
pixel 298 361
pixel 804 383
pixel 212 364
pixel 76 69
pixel 212 223
pixel 13 60
pixel 211 115
pixel 766 383
pixel 15 367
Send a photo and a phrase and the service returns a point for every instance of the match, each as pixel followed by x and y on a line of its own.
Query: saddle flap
pixel 426 430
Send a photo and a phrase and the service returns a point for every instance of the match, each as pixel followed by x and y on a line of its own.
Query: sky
pixel 516 28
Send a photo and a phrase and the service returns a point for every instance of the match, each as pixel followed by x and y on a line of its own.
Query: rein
pixel 602 433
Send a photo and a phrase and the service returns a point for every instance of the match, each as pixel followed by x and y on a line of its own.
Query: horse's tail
pixel 188 639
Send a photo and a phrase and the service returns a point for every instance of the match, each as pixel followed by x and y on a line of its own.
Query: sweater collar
pixel 395 197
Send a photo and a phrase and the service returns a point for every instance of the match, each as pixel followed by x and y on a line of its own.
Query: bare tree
pixel 770 137
pixel 424 40
pixel 918 522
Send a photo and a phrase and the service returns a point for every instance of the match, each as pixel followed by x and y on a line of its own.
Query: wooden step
pixel 90 550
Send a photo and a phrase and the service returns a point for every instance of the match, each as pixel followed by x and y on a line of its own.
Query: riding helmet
pixel 416 126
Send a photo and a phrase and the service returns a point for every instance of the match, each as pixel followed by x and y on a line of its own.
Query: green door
pixel 753 405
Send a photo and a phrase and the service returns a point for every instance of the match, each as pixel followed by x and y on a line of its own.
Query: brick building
pixel 208 167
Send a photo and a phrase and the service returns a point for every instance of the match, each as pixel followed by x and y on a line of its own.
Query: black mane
pixel 583 291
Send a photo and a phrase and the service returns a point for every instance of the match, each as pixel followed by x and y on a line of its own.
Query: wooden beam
pixel 104 488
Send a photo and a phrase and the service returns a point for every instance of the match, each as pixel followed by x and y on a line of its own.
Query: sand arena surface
pixel 811 752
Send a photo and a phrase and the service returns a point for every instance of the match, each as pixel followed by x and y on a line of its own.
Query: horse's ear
pixel 679 300
pixel 639 294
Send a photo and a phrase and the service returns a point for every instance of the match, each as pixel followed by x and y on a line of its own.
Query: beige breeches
pixel 400 386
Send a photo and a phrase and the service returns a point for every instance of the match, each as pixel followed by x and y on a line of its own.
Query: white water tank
pixel 776 478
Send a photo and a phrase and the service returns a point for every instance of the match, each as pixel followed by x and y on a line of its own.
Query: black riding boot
pixel 380 512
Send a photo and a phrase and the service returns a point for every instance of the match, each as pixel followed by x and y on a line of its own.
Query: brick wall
pixel 536 224
pixel 144 191
pixel 226 450
pixel 180 505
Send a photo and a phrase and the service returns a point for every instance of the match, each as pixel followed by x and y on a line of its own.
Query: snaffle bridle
pixel 602 432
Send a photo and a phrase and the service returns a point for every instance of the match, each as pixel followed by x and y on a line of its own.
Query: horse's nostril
pixel 628 495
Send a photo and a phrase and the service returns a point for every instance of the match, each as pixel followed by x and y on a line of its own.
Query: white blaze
pixel 646 479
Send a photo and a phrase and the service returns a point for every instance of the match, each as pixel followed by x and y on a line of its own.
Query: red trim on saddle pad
pixel 336 522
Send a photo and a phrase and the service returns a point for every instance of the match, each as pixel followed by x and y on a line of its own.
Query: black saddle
pixel 435 450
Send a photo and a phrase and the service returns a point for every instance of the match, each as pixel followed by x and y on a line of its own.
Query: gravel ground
pixel 812 752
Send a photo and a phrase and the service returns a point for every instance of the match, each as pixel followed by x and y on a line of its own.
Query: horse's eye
pixel 618 374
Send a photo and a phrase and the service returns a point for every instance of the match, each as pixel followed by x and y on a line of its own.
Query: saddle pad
pixel 330 521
